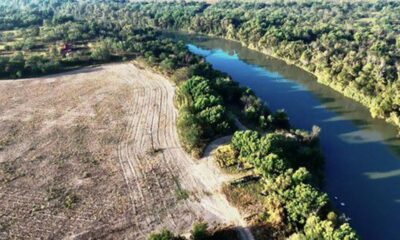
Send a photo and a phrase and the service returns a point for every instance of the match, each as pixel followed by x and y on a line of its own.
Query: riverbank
pixel 359 150
pixel 346 91
pixel 280 135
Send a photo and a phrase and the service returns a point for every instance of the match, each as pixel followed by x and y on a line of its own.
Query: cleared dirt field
pixel 95 154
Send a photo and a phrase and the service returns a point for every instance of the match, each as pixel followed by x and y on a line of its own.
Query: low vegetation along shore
pixel 280 194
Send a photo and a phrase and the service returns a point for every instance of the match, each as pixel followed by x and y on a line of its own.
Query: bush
pixel 180 75
pixel 199 231
pixel 101 51
pixel 280 119
pixel 226 156
pixel 164 235
pixel 189 130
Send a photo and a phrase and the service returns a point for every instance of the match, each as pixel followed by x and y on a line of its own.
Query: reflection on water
pixel 361 136
pixel 362 154
pixel 381 175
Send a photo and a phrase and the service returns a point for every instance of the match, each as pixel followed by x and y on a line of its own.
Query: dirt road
pixel 95 153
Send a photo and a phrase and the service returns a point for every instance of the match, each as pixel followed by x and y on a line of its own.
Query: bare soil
pixel 94 153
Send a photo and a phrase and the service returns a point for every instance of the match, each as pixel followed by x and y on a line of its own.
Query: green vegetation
pixel 200 231
pixel 202 115
pixel 334 41
pixel 164 235
pixel 72 34
pixel 351 46
pixel 180 192
pixel 289 164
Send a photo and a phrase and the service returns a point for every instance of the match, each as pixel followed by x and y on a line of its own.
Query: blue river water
pixel 362 170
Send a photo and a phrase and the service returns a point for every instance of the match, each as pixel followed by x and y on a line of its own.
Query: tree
pixel 168 64
pixel 190 132
pixel 280 119
pixel 302 201
pixel 270 166
pixel 101 51
pixel 214 120
pixel 245 142
pixel 315 228
pixel 253 106
pixel 205 101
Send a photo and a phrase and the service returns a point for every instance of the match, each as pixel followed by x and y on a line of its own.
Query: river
pixel 362 170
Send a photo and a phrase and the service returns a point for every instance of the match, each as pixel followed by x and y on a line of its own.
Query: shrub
pixel 280 119
pixel 180 75
pixel 226 156
pixel 199 231
pixel 101 51
pixel 189 130
pixel 164 235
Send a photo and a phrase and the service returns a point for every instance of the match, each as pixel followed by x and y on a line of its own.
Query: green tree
pixel 302 201
pixel 270 166
pixel 190 132
pixel 101 51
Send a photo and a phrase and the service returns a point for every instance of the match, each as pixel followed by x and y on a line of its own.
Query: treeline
pixel 47 56
pixel 208 102
pixel 353 47
pixel 287 163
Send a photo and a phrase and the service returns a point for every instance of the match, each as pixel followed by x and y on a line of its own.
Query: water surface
pixel 362 154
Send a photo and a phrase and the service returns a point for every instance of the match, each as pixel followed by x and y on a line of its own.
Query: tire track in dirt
pixel 123 156
pixel 168 189
pixel 167 116
pixel 156 146
pixel 139 164
pixel 152 162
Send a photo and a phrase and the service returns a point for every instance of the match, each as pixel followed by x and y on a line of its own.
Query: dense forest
pixel 40 37
pixel 353 47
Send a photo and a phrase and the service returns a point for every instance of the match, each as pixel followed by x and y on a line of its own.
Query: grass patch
pixel 70 200
pixel 61 197
pixel 246 197
pixel 180 192
pixel 8 171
